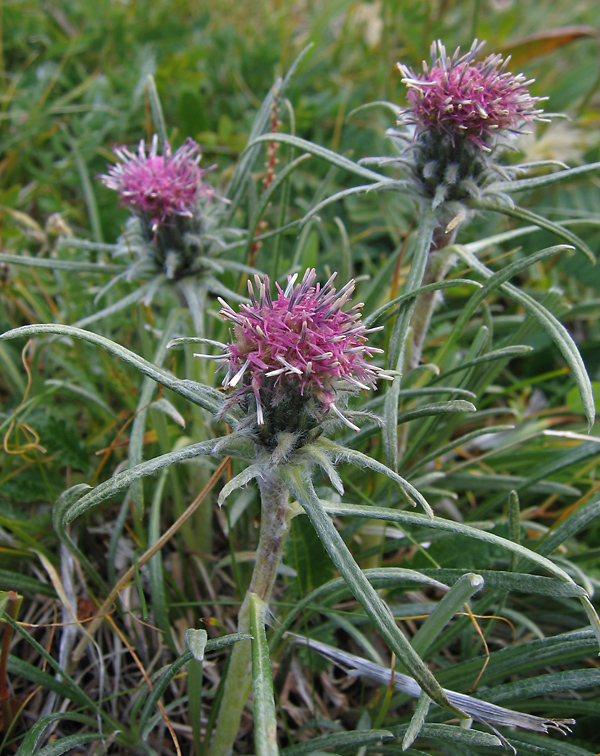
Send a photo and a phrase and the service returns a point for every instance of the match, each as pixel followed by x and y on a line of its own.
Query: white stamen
pixel 343 418
pixel 238 376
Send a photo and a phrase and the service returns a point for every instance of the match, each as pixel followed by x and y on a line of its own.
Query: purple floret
pixel 465 97
pixel 159 185
pixel 302 340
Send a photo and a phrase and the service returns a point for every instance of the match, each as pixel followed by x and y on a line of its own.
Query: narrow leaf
pixel 54 264
pixel 398 337
pixel 537 182
pixel 452 602
pixel 379 577
pixel 350 740
pixel 157 112
pixel 528 215
pixel 208 398
pixel 492 283
pixel 438 408
pixel 265 718
pixel 369 599
pixel 126 477
pixel 557 332
pixel 451 283
pixel 363 460
pixel 412 518
pixel 321 152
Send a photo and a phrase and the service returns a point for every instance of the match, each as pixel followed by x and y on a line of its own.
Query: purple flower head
pixel 463 97
pixel 290 355
pixel 159 186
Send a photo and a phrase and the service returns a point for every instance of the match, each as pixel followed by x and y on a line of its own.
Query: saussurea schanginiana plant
pixel 463 115
pixel 294 360
pixel 182 231
pixel 176 229
pixel 291 363
pixel 170 205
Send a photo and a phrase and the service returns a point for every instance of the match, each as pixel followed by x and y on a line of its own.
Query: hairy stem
pixel 275 511
pixel 438 265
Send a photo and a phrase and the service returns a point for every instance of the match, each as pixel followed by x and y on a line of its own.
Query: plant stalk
pixel 439 263
pixel 274 527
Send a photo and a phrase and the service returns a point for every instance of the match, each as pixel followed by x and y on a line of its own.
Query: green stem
pixel 274 526
pixel 438 265
pixel 439 262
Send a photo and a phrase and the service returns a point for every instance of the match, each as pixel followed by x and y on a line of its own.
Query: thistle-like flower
pixel 292 357
pixel 468 99
pixel 159 186
pixel 462 112
pixel 173 226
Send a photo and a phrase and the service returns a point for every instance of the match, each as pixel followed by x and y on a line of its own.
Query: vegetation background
pixel 74 80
